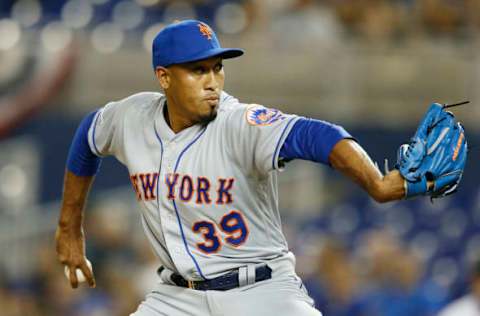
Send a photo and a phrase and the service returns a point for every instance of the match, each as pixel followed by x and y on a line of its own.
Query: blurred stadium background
pixel 371 65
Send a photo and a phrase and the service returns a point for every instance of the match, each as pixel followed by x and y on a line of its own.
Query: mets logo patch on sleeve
pixel 262 116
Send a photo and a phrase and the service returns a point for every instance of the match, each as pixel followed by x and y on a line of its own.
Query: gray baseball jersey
pixel 208 193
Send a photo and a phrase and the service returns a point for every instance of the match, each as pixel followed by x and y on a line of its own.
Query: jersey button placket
pixel 169 153
pixel 170 222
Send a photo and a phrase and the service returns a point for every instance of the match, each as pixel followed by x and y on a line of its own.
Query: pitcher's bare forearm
pixel 75 192
pixel 69 237
pixel 350 158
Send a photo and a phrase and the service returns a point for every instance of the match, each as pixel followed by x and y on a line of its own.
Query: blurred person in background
pixel 393 280
pixel 473 15
pixel 468 305
pixel 375 20
pixel 442 17
pixel 110 243
pixel 334 284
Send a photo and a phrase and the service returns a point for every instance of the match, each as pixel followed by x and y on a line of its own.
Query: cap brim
pixel 230 53
pixel 225 53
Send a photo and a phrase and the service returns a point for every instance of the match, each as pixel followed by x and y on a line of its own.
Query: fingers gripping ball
pixel 436 154
pixel 80 276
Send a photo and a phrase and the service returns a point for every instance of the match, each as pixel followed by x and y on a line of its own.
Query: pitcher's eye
pixel 218 67
pixel 199 70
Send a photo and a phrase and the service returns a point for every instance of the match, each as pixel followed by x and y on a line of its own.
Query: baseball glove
pixel 433 162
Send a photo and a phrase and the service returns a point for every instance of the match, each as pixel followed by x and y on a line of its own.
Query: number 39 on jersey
pixel 233 226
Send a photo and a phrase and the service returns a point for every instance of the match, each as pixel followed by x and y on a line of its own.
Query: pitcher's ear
pixel 163 77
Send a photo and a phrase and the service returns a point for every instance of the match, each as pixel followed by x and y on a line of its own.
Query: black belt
pixel 222 283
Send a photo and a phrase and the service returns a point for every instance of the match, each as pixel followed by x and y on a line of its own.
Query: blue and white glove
pixel 433 162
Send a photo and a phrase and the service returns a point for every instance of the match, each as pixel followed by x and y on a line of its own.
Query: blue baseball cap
pixel 188 41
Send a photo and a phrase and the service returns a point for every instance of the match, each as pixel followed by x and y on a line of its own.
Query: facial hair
pixel 206 119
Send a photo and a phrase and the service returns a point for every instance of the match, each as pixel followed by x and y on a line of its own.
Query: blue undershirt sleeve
pixel 312 140
pixel 81 160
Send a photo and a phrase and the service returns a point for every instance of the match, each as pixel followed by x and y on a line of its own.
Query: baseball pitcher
pixel 204 167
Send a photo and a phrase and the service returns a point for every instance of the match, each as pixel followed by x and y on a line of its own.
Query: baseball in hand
pixel 80 277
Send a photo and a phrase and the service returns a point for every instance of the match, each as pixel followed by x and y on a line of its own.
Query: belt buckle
pixel 191 285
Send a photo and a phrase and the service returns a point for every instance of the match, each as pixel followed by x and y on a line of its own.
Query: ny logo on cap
pixel 205 30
